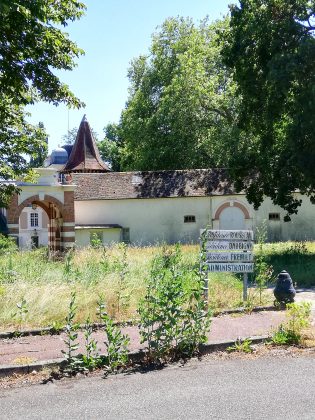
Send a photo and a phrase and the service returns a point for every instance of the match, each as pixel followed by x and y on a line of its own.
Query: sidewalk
pixel 25 350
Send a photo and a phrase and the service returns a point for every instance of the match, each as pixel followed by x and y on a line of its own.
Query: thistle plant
pixel 122 291
pixel 71 340
pixel 91 358
pixel 116 344
pixel 263 271
pixel 100 310
pixel 68 264
pixel 20 314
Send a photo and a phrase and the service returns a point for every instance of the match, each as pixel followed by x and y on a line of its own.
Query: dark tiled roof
pixel 157 184
pixel 84 156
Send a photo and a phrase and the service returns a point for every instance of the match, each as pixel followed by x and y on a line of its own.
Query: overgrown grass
pixel 46 286
pixel 297 258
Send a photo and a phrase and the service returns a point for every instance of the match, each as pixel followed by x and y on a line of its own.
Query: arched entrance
pixel 56 199
pixel 232 218
pixel 232 215
pixel 54 210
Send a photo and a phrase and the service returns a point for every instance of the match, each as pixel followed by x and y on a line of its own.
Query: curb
pixel 244 310
pixel 134 356
pixel 51 331
pixel 8 370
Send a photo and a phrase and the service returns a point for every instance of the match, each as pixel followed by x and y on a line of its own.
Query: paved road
pixel 264 388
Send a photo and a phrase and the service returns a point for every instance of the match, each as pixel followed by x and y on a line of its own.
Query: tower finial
pixel 85 156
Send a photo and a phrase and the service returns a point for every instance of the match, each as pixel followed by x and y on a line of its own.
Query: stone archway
pixel 61 234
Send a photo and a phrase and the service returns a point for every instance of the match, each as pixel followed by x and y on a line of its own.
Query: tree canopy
pixel 32 47
pixel 181 98
pixel 38 160
pixel 110 147
pixel 270 47
pixel 71 135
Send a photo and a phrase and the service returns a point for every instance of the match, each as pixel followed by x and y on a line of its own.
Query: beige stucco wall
pixel 83 236
pixel 150 221
pixel 301 226
pixel 154 221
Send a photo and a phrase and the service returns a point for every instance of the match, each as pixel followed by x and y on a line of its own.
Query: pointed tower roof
pixel 85 156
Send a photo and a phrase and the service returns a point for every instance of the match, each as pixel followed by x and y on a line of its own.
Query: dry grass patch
pixel 118 274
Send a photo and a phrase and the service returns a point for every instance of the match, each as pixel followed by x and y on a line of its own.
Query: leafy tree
pixel 19 140
pixel 270 47
pixel 32 46
pixel 70 137
pixel 181 99
pixel 110 147
pixel 42 150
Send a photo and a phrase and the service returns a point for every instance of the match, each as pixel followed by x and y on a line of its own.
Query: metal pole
pixel 203 270
pixel 206 291
pixel 245 278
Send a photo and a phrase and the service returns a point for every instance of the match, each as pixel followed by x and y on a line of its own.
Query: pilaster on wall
pixel 12 216
pixel 68 232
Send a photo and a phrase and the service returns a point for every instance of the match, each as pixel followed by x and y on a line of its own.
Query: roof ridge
pixel 167 170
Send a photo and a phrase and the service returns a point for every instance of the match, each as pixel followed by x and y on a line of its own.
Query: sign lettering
pixel 229 250
pixel 229 245
pixel 230 257
pixel 242 235
pixel 231 268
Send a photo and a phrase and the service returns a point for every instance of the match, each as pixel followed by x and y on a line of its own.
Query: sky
pixel 112 33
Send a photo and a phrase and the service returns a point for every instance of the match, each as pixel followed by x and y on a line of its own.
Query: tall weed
pixel 263 272
pixel 173 315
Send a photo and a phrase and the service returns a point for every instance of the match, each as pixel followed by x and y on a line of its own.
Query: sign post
pixel 245 275
pixel 229 251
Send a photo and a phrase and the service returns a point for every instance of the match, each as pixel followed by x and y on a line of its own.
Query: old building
pixel 77 198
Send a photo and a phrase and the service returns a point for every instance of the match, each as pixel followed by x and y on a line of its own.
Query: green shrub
pixel 173 316
pixel 263 271
pixel 7 244
pixel 73 363
pixel 116 343
pixel 298 318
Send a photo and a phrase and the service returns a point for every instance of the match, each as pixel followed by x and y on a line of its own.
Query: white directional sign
pixel 230 257
pixel 230 245
pixel 231 267
pixel 229 250
pixel 242 235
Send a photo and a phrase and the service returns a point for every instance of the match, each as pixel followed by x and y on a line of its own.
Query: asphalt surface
pixel 262 388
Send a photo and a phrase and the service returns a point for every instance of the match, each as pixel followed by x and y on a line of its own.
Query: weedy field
pixel 298 258
pixel 35 292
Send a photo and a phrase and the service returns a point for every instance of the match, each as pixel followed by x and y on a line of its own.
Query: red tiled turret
pixel 85 156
